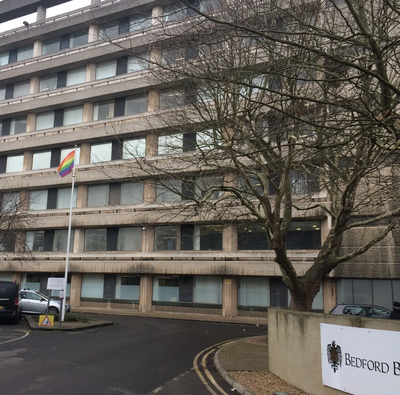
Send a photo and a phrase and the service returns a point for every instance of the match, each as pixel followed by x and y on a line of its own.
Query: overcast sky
pixel 59 9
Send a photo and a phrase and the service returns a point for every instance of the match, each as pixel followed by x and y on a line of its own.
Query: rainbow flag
pixel 67 164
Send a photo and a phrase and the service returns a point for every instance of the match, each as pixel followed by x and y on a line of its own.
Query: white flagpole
pixel 68 240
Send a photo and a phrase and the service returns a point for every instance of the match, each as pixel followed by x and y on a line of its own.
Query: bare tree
pixel 295 103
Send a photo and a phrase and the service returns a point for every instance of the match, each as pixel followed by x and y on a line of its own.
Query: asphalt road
pixel 135 356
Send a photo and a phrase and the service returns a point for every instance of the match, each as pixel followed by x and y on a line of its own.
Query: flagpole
pixel 68 241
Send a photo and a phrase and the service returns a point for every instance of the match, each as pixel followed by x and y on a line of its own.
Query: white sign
pixel 360 361
pixel 56 283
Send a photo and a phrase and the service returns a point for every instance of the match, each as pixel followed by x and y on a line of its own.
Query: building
pixel 63 83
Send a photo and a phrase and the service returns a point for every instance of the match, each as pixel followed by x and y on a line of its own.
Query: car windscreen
pixel 8 290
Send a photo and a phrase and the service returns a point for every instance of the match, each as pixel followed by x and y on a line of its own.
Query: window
pixel 73 115
pixel 31 281
pixel 64 198
pixel 4 57
pixel 66 151
pixel 303 183
pixel 201 237
pixel 100 152
pixel 76 76
pixel 175 11
pixel 11 201
pixel 130 239
pixel 207 289
pixel 131 192
pixel 48 83
pixel 61 239
pixel 7 241
pixel 206 140
pixel 22 88
pixel 78 38
pixel 134 148
pixel 25 52
pixel 92 285
pixel 138 62
pixel 103 110
pixel 45 120
pixel 18 125
pixel 140 21
pixel 41 160
pixel 170 144
pixel 252 236
pixel 304 235
pixel 2 93
pixel 205 183
pixel 168 191
pixel 98 195
pixel 109 30
pixel 96 239
pixel 166 288
pixel 166 238
pixel 135 104
pixel 106 69
pixel 171 98
pixel 253 292
pixel 35 240
pixel 38 200
pixel 51 45
pixel 127 287
pixel 14 163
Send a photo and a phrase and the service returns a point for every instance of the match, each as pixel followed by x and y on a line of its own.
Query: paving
pixel 238 355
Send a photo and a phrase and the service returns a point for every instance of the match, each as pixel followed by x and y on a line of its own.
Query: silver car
pixel 34 302
pixel 361 310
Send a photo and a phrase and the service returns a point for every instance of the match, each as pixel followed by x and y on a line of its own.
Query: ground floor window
pixel 5 276
pixel 92 285
pixel 31 281
pixel 127 287
pixel 253 292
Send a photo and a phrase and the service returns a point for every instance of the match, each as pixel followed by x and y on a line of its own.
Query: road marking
pixel 14 340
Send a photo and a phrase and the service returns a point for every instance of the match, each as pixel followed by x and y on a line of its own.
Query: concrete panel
pixel 295 347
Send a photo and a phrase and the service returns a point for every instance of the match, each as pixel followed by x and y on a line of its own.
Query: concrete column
pixel 17 277
pixel 93 34
pixel 87 112
pixel 229 238
pixel 82 195
pixel 41 13
pixel 229 296
pixel 148 238
pixel 28 159
pixel 76 290
pixel 329 293
pixel 146 292
pixel 24 196
pixel 153 100
pixel 79 240
pixel 35 81
pixel 149 191
pixel 325 227
pixel 156 15
pixel 84 158
pixel 151 144
pixel 230 179
pixel 90 72
pixel 31 122
pixel 37 48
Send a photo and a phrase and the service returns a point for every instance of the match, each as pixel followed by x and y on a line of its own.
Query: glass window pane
pixel 61 239
pixel 76 76
pixel 4 56
pixel 35 240
pixel 131 192
pixel 92 285
pixel 38 200
pixel 318 302
pixel 205 183
pixel 45 120
pixel 130 239
pixel 362 291
pixel 134 148
pixel 169 191
pixel 170 144
pixel 207 290
pixel 78 38
pixel 2 93
pixel 171 99
pixel 175 11
pixel 64 197
pixel 138 62
pixel 166 288
pixel 25 52
pixel 106 69
pixel 66 151
pixel 31 281
pixel 14 163
pixel 11 201
pixel 166 237
pixel 136 104
pixel 253 292
pixel 127 287
pixel 22 88
pixel 100 152
pixel 304 235
pixel 73 115
pixel 48 83
pixel 98 195
pixel 396 290
pixel 18 125
pixel 41 160
pixel 51 45
pixel 208 237
pixel 140 21
pixel 103 110
pixel 382 292
pixel 252 236
pixel 109 30
pixel 96 239
pixel 344 291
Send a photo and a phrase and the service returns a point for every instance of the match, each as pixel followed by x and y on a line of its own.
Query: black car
pixel 9 301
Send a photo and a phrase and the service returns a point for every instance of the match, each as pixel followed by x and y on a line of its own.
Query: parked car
pixel 10 306
pixel 361 310
pixel 34 302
